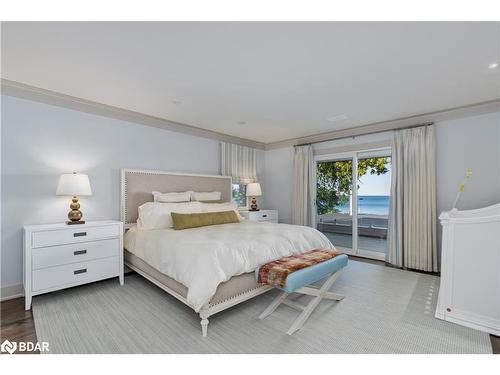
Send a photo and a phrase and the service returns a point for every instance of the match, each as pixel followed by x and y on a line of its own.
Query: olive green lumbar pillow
pixel 185 221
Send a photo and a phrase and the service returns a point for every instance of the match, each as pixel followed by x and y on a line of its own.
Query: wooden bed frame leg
pixel 204 321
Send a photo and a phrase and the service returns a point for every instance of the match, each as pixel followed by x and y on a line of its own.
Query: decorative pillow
pixel 221 207
pixel 184 196
pixel 206 196
pixel 186 221
pixel 156 215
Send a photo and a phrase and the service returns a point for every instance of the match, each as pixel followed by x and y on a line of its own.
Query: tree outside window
pixel 239 194
pixel 334 181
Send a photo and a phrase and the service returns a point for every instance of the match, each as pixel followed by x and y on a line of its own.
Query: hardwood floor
pixel 18 325
pixel 495 344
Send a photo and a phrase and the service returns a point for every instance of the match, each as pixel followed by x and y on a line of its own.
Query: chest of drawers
pixel 58 256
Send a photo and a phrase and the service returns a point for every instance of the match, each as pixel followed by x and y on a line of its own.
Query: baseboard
pixel 11 292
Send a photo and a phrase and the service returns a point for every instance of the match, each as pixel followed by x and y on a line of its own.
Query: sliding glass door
pixel 334 204
pixel 354 216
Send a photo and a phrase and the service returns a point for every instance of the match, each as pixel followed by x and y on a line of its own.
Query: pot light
pixel 493 65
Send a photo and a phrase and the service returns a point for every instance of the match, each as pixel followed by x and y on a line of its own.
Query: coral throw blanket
pixel 276 272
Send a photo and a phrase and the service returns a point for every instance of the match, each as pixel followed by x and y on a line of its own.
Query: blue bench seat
pixel 300 282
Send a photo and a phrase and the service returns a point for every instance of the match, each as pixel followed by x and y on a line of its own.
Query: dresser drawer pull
pixel 79 234
pixel 264 215
pixel 83 270
pixel 79 252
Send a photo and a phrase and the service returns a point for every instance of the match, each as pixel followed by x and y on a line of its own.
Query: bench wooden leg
pixel 334 296
pixel 306 310
pixel 299 322
pixel 270 309
pixel 319 295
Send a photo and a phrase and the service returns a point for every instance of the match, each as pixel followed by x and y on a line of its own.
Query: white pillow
pixel 206 196
pixel 156 215
pixel 171 197
pixel 221 207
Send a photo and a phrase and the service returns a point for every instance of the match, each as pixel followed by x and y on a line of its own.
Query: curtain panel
pixel 239 162
pixel 412 237
pixel 302 185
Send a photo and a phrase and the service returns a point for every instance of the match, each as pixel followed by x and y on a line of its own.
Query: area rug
pixel 386 310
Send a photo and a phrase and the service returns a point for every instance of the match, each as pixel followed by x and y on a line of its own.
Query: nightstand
pixel 58 256
pixel 262 215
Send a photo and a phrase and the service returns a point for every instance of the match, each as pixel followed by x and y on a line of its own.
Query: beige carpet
pixel 385 311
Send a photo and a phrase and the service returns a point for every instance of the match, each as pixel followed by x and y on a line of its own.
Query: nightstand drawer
pixel 263 215
pixel 73 253
pixel 74 235
pixel 75 274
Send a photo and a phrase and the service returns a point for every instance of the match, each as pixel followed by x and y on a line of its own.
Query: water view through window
pixel 369 204
pixel 336 209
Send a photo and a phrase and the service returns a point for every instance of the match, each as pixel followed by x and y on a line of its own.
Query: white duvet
pixel 202 258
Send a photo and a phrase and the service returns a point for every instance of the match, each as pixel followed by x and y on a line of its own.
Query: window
pixel 240 195
pixel 354 216
pixel 239 162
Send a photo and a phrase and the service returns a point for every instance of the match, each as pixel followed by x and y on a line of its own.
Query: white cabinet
pixel 262 215
pixel 58 256
pixel 469 293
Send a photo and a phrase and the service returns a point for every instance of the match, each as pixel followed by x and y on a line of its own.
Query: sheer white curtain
pixel 302 185
pixel 240 162
pixel 412 230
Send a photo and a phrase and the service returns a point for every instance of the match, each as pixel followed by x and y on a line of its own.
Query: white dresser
pixel 58 256
pixel 262 215
pixel 470 269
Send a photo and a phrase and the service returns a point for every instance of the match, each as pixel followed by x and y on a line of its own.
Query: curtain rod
pixel 367 133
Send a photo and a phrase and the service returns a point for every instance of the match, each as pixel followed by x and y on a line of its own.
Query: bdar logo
pixel 8 346
pixel 21 346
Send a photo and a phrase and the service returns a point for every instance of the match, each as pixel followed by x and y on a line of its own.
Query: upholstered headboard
pixel 137 185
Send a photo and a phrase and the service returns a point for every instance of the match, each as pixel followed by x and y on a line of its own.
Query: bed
pixel 211 268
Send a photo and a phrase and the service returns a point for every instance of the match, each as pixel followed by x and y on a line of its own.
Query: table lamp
pixel 74 184
pixel 254 190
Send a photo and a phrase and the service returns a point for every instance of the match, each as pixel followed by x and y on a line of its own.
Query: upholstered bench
pixel 300 282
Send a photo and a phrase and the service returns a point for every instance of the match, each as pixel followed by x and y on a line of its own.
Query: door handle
pixel 79 234
pixel 83 270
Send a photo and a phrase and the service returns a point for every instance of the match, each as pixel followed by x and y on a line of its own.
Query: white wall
pixel 277 187
pixel 39 142
pixel 351 141
pixel 472 142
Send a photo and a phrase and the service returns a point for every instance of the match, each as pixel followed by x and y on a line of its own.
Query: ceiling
pixel 261 81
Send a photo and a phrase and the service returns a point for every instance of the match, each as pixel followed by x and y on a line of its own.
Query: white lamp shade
pixel 254 190
pixel 74 184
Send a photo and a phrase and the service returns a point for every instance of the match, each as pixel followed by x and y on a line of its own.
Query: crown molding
pixel 24 91
pixel 403 122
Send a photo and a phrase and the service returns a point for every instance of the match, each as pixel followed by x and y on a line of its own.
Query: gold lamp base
pixel 253 205
pixel 75 222
pixel 75 215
